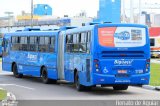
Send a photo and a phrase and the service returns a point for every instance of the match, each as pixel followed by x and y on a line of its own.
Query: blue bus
pixel 116 55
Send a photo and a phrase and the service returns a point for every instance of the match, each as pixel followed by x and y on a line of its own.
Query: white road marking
pixel 17 86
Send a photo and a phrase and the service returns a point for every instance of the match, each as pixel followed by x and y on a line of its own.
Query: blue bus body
pixel 110 60
pixel 84 56
pixel 30 62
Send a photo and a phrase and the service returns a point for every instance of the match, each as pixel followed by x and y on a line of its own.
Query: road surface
pixel 29 88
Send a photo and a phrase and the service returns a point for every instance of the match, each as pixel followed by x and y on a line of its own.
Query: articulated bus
pixel 116 55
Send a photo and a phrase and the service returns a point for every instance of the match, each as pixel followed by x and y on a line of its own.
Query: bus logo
pixel 125 35
pixel 123 62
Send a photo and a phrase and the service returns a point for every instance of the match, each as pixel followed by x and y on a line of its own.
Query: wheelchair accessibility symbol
pixel 105 70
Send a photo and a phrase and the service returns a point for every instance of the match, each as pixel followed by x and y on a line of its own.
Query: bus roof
pixel 122 25
pixel 90 27
pixel 34 33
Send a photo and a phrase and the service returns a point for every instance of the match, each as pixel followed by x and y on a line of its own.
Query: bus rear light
pixel 147 65
pixel 148 60
pixel 123 55
pixel 96 60
pixel 96 65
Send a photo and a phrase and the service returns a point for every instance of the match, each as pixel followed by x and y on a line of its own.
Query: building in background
pixel 155 20
pixel 42 10
pixel 154 33
pixel 109 11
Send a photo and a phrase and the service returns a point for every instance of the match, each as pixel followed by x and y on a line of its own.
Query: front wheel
pixel 15 72
pixel 120 87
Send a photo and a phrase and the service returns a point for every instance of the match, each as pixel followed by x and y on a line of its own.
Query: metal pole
pixel 140 9
pixel 131 11
pixel 123 1
pixel 31 13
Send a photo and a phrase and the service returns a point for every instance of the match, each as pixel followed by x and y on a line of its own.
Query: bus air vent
pixel 122 54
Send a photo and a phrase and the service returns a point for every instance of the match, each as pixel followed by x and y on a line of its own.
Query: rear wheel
pixel 15 72
pixel 44 77
pixel 120 87
pixel 79 87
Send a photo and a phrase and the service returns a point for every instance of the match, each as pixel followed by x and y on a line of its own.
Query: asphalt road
pixel 29 88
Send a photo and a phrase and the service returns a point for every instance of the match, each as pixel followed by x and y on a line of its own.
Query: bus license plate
pixel 122 71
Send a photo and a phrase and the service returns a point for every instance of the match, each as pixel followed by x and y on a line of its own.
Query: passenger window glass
pixel 52 44
pixel 33 44
pixel 83 37
pixel 47 40
pixel 46 44
pixel 88 36
pixel 23 43
pixel 41 41
pixel 74 38
pixel 70 38
pixel 32 40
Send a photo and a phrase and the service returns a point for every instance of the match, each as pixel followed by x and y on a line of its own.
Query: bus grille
pixel 112 54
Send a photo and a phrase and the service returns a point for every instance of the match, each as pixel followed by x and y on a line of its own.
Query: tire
pixel 120 87
pixel 88 88
pixel 44 76
pixel 79 87
pixel 15 72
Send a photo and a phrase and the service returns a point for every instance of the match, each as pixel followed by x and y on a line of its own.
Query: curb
pixel 10 100
pixel 157 88
pixel 149 87
pixel 2 89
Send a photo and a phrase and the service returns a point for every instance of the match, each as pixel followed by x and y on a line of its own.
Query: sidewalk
pixel 10 99
pixel 155 61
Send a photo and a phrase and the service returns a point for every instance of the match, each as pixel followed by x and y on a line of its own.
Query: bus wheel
pixel 15 72
pixel 79 87
pixel 120 87
pixel 44 76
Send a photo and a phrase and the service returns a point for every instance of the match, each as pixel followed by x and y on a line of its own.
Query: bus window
pixel 70 38
pixel 33 44
pixel 44 44
pixel 75 43
pixel 88 41
pixel 52 44
pixel 82 45
pixel 15 43
pixel 69 45
pixel 31 40
pixel 23 44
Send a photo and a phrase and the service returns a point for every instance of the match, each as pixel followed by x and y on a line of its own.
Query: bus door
pixel 5 47
pixel 5 53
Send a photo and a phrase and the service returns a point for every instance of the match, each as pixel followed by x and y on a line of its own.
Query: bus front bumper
pixel 139 79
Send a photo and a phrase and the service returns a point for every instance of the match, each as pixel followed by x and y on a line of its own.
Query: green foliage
pixel 3 94
pixel 155 74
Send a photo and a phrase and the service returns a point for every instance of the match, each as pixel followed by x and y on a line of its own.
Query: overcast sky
pixel 60 7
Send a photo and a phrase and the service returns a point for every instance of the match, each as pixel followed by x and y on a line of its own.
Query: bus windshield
pixel 122 36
